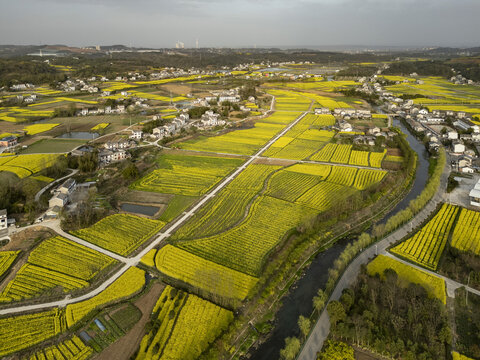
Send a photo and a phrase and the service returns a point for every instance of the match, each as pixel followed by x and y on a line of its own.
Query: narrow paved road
pixel 129 262
pixel 321 329
pixel 55 226
pixel 37 195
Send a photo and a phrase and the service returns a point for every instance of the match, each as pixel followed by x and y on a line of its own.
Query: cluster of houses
pixel 219 97
pixel 172 128
pixel 21 87
pixel 427 123
pixel 77 85
pixel 461 80
pixel 345 113
pixel 116 149
pixel 119 109
pixel 27 99
pixel 209 119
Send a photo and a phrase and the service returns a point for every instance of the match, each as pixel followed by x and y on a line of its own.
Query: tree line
pixel 383 315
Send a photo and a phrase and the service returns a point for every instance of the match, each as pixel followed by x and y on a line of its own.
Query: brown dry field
pixel 177 88
pixel 394 152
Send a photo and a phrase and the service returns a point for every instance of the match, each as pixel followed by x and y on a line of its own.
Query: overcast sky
pixel 160 23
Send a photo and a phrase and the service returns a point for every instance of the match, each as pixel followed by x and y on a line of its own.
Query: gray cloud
pixel 240 23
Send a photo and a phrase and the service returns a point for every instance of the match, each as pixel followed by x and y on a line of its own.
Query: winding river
pixel 299 300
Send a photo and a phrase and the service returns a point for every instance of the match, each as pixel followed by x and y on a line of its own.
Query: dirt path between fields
pixel 124 348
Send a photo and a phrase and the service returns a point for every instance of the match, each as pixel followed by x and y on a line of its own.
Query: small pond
pixel 81 135
pixel 147 210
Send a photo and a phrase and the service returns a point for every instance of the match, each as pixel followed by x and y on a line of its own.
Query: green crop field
pixel 290 101
pixel 227 208
pixel 323 195
pixel 289 185
pixel 319 120
pixel 186 174
pixel 325 154
pixel 26 165
pixel 301 141
pixel 185 325
pixel 466 235
pixel 342 154
pixel 53 146
pixel 203 274
pixel 70 349
pixel 342 175
pixel 22 331
pixel 244 247
pixel 55 263
pixel 376 158
pixel 426 246
pixel 366 178
pixel 120 233
pixel 6 260
pixel 359 158
pixel 242 141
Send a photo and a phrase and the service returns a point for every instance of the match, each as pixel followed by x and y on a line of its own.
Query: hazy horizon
pixel 267 23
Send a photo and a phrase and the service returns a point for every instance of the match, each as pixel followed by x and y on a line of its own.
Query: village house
pixel 59 200
pixel 68 187
pixel 474 195
pixel 159 132
pixel 170 128
pixel 452 135
pixel 458 147
pixel 232 99
pixel 136 134
pixel 117 144
pixel 8 141
pixel 109 156
pixel 211 119
pixel 343 125
pixel 3 223
pixel 433 145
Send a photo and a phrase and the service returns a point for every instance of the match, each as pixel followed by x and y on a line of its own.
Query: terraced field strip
pixel 6 260
pixel 175 337
pixel 466 235
pixel 203 274
pixel 427 245
pixel 228 208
